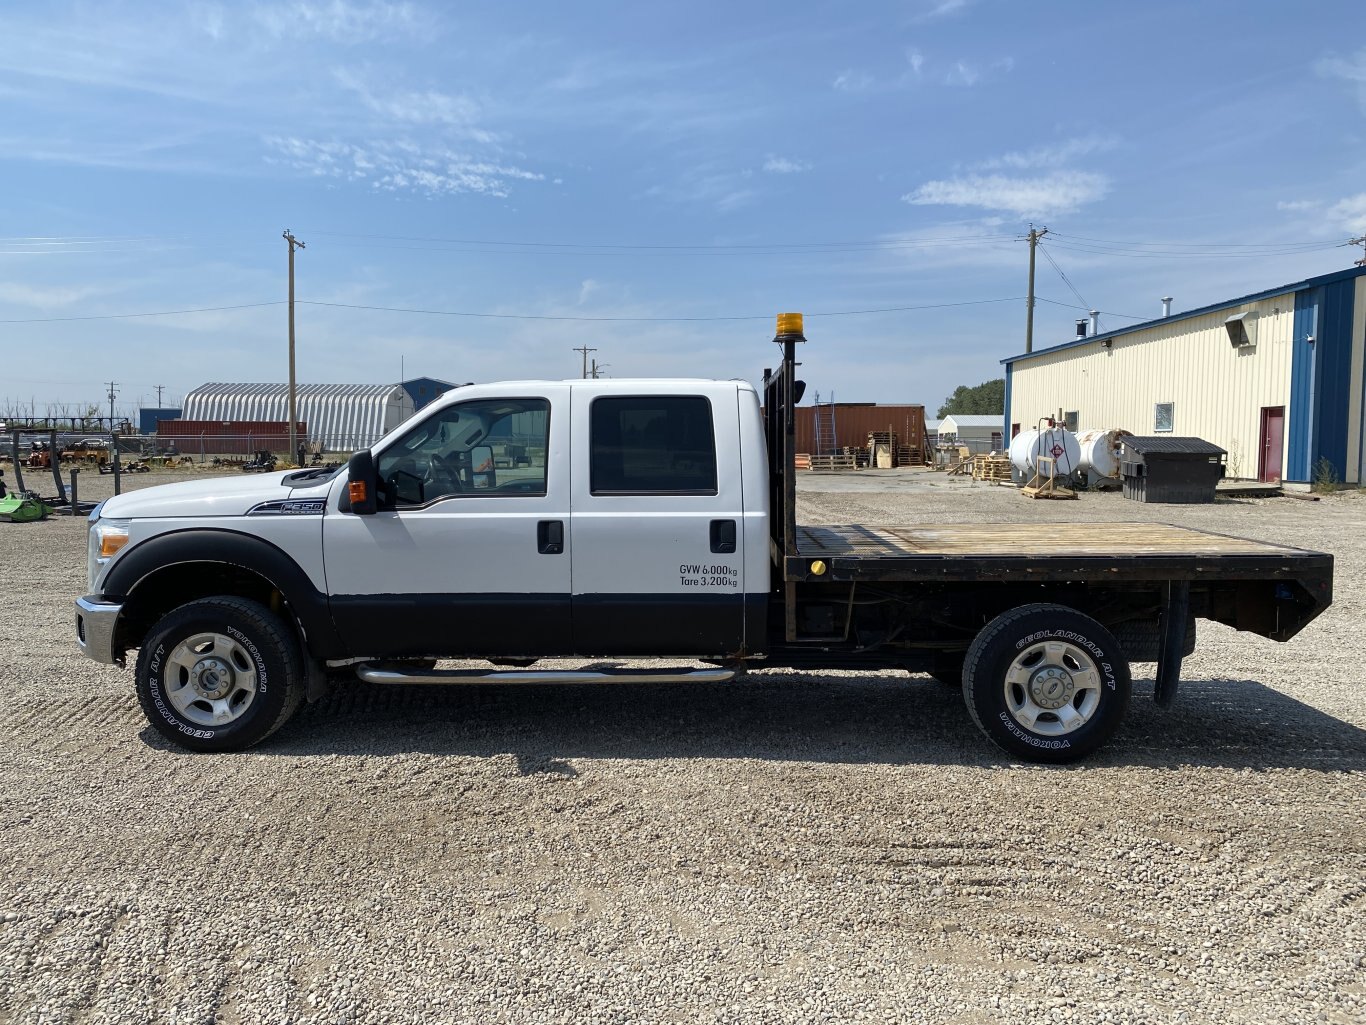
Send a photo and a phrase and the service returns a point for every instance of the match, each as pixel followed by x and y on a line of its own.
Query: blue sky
pixel 591 163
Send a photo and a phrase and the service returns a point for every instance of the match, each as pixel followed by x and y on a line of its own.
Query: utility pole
pixel 598 368
pixel 1359 242
pixel 113 390
pixel 159 388
pixel 293 244
pixel 585 350
pixel 1033 239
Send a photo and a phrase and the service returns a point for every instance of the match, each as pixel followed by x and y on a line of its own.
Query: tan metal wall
pixel 1218 390
pixel 853 423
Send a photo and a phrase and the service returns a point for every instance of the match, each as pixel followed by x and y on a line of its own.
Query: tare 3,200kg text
pixel 708 576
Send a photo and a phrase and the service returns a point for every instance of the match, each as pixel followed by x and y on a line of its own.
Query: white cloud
pixel 1350 213
pixel 420 108
pixel 851 81
pixel 782 165
pixel 337 20
pixel 943 9
pixel 44 298
pixel 1057 193
pixel 963 73
pixel 398 166
pixel 586 289
pixel 1299 206
pixel 1054 155
pixel 723 190
pixel 1349 69
pixel 916 60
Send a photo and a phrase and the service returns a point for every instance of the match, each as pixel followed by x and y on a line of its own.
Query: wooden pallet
pixel 833 464
pixel 995 469
pixel 801 461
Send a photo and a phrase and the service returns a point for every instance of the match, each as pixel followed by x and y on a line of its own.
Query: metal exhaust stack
pixel 1166 306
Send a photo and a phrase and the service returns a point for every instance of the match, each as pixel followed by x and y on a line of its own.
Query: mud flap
pixel 1175 615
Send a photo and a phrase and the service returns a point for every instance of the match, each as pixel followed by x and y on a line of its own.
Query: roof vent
pixel 1242 328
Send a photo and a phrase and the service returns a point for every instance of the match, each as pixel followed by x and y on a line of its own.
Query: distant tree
pixel 985 399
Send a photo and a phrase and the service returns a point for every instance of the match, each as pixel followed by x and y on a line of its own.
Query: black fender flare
pixel 225 547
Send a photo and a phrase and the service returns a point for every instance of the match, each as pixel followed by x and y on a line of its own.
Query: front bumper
pixel 95 623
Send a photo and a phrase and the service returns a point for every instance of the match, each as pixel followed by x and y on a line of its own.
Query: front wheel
pixel 1046 683
pixel 219 674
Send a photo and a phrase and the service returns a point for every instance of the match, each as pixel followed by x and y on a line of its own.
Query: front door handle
pixel 723 537
pixel 550 537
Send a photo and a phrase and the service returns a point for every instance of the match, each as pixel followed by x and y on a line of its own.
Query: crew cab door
pixel 658 533
pixel 469 554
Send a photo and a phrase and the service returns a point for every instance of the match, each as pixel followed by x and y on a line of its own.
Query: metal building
pixel 854 421
pixel 342 417
pixel 974 431
pixel 1275 378
pixel 423 390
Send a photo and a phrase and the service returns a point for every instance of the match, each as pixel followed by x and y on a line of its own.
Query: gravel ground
pixel 792 848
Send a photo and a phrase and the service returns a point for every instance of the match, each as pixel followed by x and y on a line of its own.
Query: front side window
pixel 652 445
pixel 487 447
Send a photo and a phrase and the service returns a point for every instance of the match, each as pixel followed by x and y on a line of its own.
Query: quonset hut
pixel 340 417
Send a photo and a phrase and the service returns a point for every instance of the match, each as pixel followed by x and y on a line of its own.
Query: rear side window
pixel 652 445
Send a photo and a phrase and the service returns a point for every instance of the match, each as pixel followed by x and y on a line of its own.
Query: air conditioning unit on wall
pixel 1242 328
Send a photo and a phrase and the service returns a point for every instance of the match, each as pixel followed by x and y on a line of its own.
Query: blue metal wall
pixel 424 389
pixel 1320 380
pixel 1300 434
pixel 147 418
pixel 1005 427
pixel 1333 377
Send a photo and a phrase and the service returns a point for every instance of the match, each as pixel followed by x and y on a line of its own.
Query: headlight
pixel 107 537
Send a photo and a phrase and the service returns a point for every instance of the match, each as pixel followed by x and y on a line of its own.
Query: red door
pixel 1273 438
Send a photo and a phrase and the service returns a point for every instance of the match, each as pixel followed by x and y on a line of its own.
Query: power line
pixel 158 313
pixel 506 316
pixel 1195 245
pixel 1106 313
pixel 677 246
pixel 654 320
pixel 1066 281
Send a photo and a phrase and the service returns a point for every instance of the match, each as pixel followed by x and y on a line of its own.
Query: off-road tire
pixel 266 647
pixel 1002 709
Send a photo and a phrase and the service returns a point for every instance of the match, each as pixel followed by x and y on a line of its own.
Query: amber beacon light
pixel 789 323
pixel 357 491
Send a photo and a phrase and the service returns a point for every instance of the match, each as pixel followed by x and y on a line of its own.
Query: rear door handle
pixel 550 537
pixel 723 537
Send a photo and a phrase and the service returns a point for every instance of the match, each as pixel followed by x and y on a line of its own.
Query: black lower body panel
pixel 546 625
pixel 453 625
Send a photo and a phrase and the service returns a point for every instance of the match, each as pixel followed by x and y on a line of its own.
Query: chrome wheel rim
pixel 210 679
pixel 1052 688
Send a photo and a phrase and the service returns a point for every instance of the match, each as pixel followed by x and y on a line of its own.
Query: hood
pixel 216 496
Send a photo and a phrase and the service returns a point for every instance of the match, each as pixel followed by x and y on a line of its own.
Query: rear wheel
pixel 219 674
pixel 1046 683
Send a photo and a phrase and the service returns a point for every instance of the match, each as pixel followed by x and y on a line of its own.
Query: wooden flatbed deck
pixel 1042 551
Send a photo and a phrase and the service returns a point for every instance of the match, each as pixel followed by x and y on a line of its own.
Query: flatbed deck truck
pixel 633 519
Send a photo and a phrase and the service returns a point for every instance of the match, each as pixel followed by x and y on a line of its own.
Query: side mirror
pixel 362 485
pixel 482 474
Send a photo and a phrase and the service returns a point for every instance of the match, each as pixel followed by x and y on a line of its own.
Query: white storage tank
pixel 1100 454
pixel 1055 442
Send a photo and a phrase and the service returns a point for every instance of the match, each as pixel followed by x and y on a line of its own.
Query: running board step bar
pixel 373 674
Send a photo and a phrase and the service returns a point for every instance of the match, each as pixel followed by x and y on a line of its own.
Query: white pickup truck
pixel 638 518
